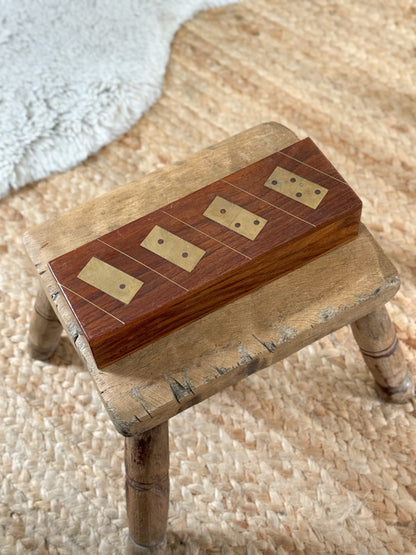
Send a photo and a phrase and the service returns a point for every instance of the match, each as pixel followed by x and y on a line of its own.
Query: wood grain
pixel 229 262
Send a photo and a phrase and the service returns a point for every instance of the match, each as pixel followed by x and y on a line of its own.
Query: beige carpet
pixel 302 457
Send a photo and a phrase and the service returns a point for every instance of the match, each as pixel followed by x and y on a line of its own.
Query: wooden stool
pixel 348 285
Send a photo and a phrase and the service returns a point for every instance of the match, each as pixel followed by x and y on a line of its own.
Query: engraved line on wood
pixel 42 315
pixel 312 167
pixel 269 203
pixel 135 547
pixel 147 486
pixel 404 387
pixel 206 235
pixel 93 304
pixel 383 353
pixel 145 265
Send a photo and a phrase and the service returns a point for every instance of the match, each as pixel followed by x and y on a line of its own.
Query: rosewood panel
pixel 162 271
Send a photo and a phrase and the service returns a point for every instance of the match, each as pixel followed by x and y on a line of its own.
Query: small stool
pixel 348 285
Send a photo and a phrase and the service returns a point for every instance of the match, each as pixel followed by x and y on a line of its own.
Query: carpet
pixel 75 76
pixel 302 457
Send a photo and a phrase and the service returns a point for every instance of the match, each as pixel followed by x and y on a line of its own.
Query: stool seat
pixel 348 285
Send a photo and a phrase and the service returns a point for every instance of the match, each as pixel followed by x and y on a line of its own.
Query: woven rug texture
pixel 302 457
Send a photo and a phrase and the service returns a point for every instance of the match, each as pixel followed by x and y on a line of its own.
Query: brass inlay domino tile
pixel 173 248
pixel 234 217
pixel 110 280
pixel 297 188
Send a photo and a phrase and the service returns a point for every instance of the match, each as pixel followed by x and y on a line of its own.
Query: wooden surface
pixel 255 331
pixel 45 329
pixel 152 276
pixel 155 383
pixel 108 212
pixel 147 489
pixel 381 350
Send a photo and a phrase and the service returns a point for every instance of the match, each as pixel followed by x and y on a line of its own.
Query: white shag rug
pixel 75 75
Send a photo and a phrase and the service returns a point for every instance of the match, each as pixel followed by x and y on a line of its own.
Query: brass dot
pixel 184 255
pixel 237 224
pixel 160 241
pixel 298 194
pixel 122 285
pixel 223 210
pixel 256 222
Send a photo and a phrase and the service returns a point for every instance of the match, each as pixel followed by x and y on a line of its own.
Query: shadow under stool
pixel 348 285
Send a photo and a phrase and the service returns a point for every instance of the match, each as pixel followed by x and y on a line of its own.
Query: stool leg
pixel 147 490
pixel 45 329
pixel 376 337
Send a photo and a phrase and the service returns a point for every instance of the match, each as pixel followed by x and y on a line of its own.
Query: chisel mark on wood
pixel 73 332
pixel 135 393
pixel 221 370
pixel 286 333
pixel 180 390
pixel 270 346
pixel 246 357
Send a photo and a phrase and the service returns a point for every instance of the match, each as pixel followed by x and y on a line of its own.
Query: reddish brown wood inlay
pixel 232 265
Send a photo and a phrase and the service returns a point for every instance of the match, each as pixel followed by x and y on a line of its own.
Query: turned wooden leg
pixel 376 337
pixel 45 329
pixel 147 490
